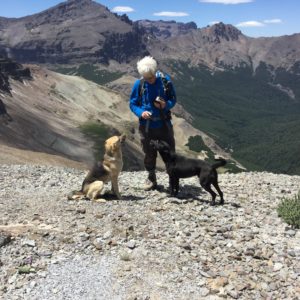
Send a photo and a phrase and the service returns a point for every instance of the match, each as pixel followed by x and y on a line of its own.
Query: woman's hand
pixel 146 115
pixel 160 104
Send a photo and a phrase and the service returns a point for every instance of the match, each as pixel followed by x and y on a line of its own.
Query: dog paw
pixel 100 200
pixel 74 197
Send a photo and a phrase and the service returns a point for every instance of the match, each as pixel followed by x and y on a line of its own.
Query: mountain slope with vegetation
pixel 246 115
pixel 70 117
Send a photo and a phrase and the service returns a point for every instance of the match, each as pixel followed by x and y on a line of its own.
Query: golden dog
pixel 104 171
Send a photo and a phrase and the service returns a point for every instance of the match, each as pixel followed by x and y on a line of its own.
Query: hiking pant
pixel 164 133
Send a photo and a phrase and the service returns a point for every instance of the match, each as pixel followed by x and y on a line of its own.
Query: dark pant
pixel 164 133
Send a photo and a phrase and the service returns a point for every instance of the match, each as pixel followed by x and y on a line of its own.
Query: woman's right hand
pixel 146 115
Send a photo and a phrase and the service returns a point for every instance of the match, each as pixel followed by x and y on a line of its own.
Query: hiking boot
pixel 151 183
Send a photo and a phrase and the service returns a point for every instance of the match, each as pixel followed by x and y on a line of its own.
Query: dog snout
pixel 122 138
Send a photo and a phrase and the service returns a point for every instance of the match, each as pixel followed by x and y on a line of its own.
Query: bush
pixel 289 211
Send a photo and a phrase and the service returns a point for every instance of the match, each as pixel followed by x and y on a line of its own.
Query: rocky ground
pixel 147 245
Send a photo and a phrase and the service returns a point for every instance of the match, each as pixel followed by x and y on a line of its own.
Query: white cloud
pixel 273 21
pixel 250 24
pixel 213 22
pixel 226 1
pixel 258 24
pixel 122 9
pixel 171 14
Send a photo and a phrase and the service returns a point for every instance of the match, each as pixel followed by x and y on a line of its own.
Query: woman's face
pixel 150 77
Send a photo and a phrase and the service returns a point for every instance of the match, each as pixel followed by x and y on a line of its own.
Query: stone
pixel 131 244
pixel 5 238
pixel 30 243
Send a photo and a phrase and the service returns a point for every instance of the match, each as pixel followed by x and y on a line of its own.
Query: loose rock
pixel 147 245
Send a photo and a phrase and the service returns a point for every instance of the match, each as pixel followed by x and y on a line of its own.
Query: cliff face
pixel 4 85
pixel 165 29
pixel 11 69
pixel 123 47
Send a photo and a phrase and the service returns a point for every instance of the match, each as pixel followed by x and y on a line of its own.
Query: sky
pixel 254 18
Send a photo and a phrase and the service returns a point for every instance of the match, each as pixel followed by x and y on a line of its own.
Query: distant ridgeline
pixel 256 116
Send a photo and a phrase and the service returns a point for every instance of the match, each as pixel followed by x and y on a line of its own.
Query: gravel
pixel 147 245
pixel 79 277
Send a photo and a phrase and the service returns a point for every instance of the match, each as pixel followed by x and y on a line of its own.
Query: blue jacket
pixel 145 103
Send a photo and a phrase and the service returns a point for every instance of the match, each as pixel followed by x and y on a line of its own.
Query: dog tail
pixel 220 162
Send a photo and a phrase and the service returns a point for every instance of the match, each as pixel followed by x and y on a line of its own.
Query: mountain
pixel 49 114
pixel 242 92
pixel 72 31
pixel 225 47
pixel 85 31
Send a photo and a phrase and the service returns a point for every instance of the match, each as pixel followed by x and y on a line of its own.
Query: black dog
pixel 182 167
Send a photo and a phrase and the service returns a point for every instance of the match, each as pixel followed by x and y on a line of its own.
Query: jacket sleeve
pixel 135 101
pixel 171 97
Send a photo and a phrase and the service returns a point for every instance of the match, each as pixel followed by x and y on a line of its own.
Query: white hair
pixel 147 65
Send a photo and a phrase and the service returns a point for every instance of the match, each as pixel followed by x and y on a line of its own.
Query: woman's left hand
pixel 160 104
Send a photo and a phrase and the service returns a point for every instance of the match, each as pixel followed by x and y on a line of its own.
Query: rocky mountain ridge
pixel 85 31
pixel 224 47
pixel 165 29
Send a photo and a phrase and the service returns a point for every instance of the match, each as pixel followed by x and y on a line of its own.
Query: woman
pixel 151 100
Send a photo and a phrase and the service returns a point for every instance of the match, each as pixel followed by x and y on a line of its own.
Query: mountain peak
pixel 223 31
pixel 80 1
pixel 79 4
pixel 69 10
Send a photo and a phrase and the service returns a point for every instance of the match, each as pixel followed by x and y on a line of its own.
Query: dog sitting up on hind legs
pixel 107 170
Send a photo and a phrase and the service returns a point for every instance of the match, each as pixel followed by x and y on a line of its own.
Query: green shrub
pixel 289 211
pixel 97 132
pixel 90 72
pixel 196 144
